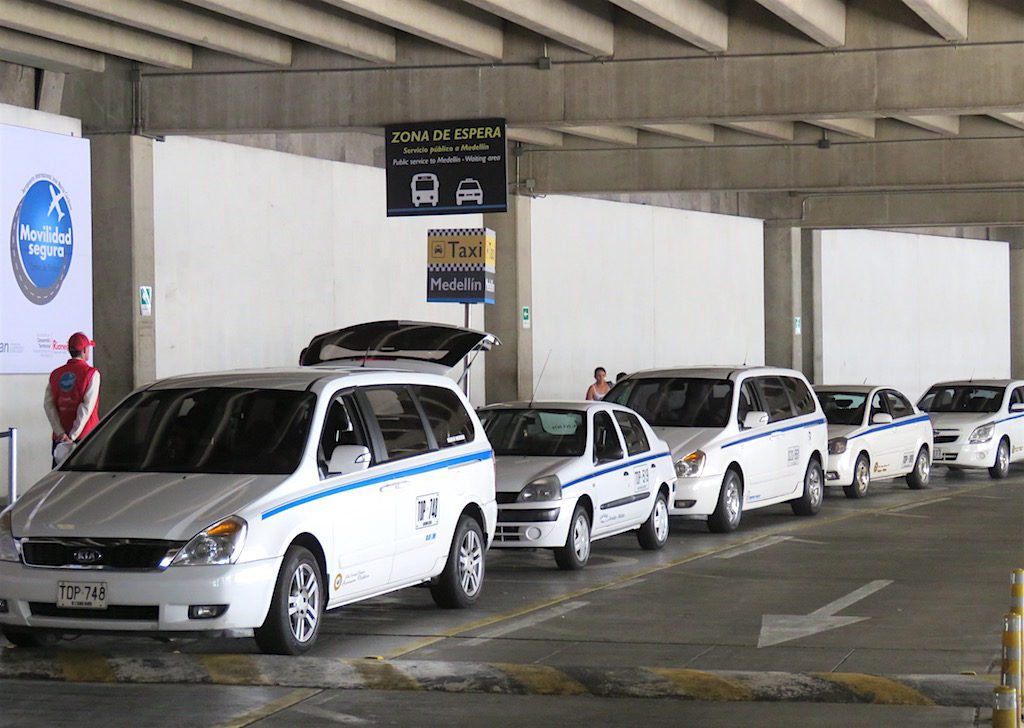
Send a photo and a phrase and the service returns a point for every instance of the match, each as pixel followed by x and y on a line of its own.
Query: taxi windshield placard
pixel 446 167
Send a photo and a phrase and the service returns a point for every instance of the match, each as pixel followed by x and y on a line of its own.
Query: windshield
pixel 541 433
pixel 962 398
pixel 200 430
pixel 424 184
pixel 677 401
pixel 843 408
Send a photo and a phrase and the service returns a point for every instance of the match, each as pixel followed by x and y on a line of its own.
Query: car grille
pixel 97 553
pixel 945 439
pixel 125 612
pixel 507 534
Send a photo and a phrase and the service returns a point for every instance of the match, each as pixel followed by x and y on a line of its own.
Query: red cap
pixel 80 342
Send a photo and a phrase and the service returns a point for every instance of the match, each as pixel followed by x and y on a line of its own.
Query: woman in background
pixel 599 388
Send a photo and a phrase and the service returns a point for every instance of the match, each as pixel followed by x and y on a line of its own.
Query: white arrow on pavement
pixel 779 628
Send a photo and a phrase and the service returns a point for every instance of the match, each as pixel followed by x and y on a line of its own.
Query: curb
pixel 499 678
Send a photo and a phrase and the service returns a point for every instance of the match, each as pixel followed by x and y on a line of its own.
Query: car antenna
pixel 746 352
pixel 533 395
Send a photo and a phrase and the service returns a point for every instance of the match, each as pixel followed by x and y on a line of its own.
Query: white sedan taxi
pixel 741 438
pixel 977 424
pixel 248 502
pixel 874 433
pixel 569 473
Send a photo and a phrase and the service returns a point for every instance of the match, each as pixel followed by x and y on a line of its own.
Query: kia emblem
pixel 87 556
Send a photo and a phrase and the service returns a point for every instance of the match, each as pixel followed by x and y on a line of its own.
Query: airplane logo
pixel 55 198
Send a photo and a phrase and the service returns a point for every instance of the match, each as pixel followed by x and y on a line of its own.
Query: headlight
pixel 690 466
pixel 542 489
pixel 8 546
pixel 982 434
pixel 837 446
pixel 221 543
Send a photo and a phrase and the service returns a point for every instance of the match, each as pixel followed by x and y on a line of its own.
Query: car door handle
pixel 393 484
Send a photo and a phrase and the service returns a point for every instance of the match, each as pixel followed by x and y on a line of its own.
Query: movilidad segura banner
pixel 46 273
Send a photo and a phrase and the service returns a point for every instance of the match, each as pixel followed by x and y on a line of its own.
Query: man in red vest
pixel 73 395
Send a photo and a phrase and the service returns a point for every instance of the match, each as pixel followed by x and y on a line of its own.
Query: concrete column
pixel 783 304
pixel 1015 237
pixel 509 372
pixel 122 197
pixel 810 303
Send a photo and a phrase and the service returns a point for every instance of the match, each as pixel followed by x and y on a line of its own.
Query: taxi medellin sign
pixel 460 265
pixel 445 167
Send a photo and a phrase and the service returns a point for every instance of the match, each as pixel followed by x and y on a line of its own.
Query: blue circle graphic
pixel 42 240
pixel 67 381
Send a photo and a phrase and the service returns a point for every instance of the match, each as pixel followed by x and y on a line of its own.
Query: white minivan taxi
pixel 741 438
pixel 874 433
pixel 569 473
pixel 977 423
pixel 248 502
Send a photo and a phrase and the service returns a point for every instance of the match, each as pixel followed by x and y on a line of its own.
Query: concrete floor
pixel 927 572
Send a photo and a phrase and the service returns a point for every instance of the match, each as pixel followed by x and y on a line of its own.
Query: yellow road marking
pixel 272 708
pixel 233 670
pixel 385 676
pixel 512 614
pixel 701 685
pixel 85 667
pixel 878 690
pixel 542 679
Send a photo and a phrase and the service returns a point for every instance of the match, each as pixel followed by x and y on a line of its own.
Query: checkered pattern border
pixel 446 232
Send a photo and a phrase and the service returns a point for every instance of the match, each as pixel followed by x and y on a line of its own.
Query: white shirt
pixel 85 409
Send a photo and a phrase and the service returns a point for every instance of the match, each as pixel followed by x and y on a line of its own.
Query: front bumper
pixel 142 601
pixel 840 468
pixel 534 525
pixel 964 455
pixel 696 496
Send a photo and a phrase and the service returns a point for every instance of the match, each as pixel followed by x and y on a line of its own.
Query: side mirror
pixel 881 418
pixel 753 420
pixel 1017 407
pixel 348 459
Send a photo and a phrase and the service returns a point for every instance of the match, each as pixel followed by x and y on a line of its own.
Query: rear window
pixel 676 401
pixel 632 433
pixel 801 395
pixel 201 430
pixel 446 415
pixel 774 396
pixel 399 421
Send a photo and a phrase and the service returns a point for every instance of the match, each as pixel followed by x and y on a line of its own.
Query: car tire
pixel 27 637
pixel 299 582
pixel 462 581
pixel 729 510
pixel 653 534
pixel 1002 467
pixel 809 503
pixel 575 554
pixel 861 478
pixel 920 477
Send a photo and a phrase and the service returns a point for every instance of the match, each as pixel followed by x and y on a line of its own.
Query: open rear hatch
pixel 416 345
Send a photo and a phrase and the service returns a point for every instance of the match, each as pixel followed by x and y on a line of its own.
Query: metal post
pixel 12 464
pixel 465 362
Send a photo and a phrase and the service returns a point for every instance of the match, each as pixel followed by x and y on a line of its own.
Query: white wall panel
pixel 911 310
pixel 257 250
pixel 630 287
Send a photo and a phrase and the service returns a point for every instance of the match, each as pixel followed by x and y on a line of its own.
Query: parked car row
pixel 249 502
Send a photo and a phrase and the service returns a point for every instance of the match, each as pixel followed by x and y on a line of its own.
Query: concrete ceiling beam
pixel 319 26
pixel 688 132
pixel 610 134
pixel 60 25
pixel 704 23
pixel 183 24
pixel 996 162
pixel 535 137
pixel 940 124
pixel 31 50
pixel 937 80
pixel 858 128
pixel 588 30
pixel 476 34
pixel 947 17
pixel 1013 118
pixel 779 130
pixel 822 20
